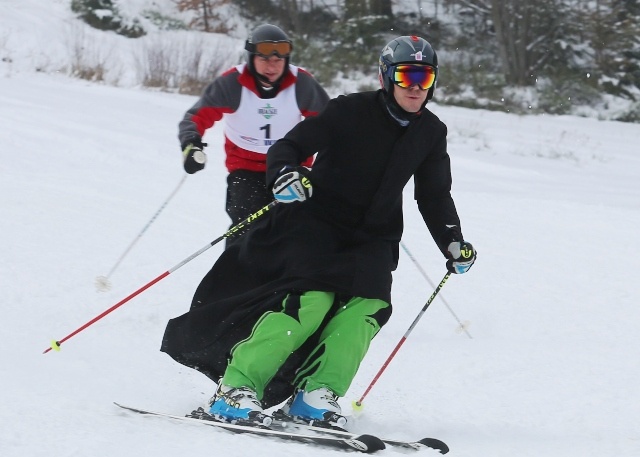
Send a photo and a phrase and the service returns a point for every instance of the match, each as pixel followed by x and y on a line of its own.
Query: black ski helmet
pixel 265 33
pixel 409 50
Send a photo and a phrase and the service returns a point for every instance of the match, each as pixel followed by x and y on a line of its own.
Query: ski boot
pixel 319 408
pixel 238 405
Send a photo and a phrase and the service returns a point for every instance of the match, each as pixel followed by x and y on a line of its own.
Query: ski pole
pixel 461 326
pixel 55 344
pixel 357 405
pixel 102 282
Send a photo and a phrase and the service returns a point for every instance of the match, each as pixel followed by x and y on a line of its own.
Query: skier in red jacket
pixel 261 100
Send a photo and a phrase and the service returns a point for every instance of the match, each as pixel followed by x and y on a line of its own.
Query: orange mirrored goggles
pixel 409 75
pixel 268 48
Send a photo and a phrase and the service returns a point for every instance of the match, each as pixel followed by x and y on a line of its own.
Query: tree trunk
pixel 205 14
pixel 381 8
pixel 512 21
pixel 291 9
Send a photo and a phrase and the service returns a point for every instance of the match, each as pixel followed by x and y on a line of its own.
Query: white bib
pixel 258 123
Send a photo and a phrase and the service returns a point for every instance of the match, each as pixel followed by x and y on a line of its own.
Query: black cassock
pixel 344 239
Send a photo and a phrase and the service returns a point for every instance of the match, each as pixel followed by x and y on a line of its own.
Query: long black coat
pixel 344 239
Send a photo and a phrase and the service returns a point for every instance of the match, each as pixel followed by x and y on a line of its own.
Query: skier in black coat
pixel 290 308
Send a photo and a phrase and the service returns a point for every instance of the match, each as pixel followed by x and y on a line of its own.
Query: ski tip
pixel 435 444
pixel 366 443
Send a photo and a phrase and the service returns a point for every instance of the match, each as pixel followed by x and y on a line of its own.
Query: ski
pixel 282 421
pixel 295 431
pixel 362 443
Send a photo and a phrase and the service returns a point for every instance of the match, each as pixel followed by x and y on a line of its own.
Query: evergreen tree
pixel 104 15
pixel 614 35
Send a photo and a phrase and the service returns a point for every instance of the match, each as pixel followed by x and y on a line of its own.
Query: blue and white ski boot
pixel 238 405
pixel 319 408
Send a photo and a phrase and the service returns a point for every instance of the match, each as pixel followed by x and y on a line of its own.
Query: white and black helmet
pixel 406 50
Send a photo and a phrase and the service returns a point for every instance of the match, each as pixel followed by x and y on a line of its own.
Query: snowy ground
pixel 551 203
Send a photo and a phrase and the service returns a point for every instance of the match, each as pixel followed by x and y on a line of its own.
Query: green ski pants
pixel 333 363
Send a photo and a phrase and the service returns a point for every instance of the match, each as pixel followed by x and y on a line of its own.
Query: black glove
pixel 461 256
pixel 194 157
pixel 292 185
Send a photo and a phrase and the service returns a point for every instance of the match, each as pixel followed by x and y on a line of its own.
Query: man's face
pixel 272 67
pixel 410 99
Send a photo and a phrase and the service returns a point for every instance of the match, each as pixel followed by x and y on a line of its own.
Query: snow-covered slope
pixel 47 37
pixel 550 203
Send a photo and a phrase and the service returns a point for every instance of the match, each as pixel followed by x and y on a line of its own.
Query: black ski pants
pixel 246 193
